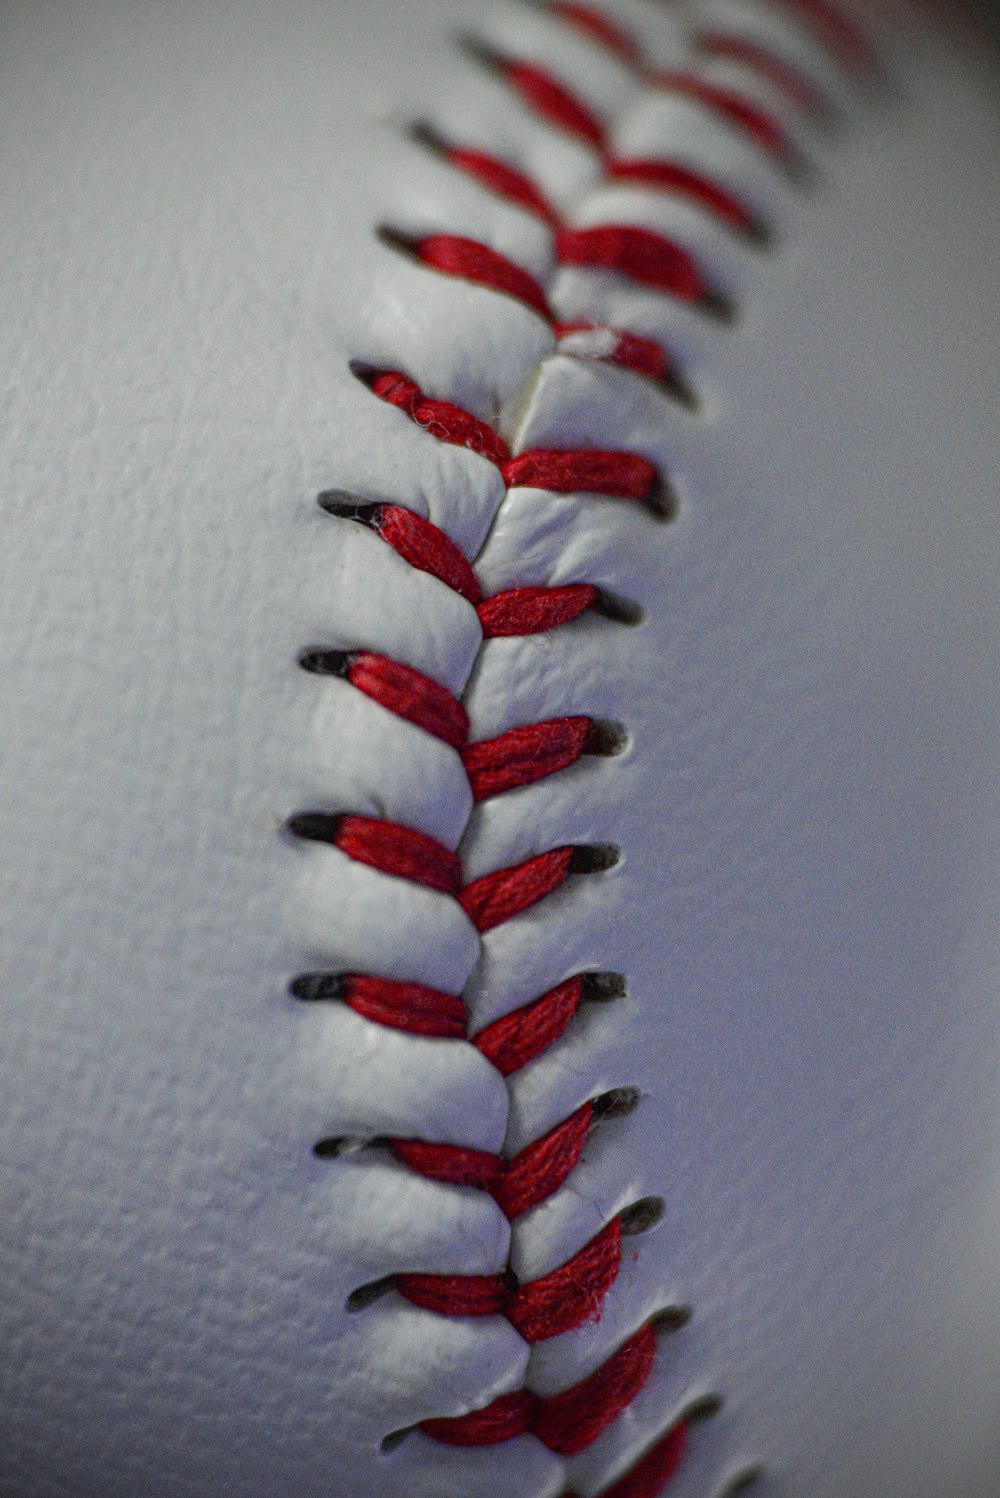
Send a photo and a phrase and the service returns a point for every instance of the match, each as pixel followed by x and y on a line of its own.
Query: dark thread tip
pixel 661 501
pixel 718 306
pixel 396 1438
pixel 593 858
pixel 673 384
pixel 322 662
pixel 742 1482
pixel 603 988
pixel 672 1319
pixel 395 239
pixel 366 373
pixel 367 1295
pixel 314 826
pixel 618 610
pixel 329 1149
pixel 313 988
pixel 618 1103
pixel 349 506
pixel 605 740
pixel 705 1408
pixel 642 1216
pixel 423 133
pixel 480 52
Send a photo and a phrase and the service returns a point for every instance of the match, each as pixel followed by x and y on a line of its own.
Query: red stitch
pixel 442 419
pixel 497 897
pixel 799 89
pixel 530 611
pixel 553 101
pixel 521 1036
pixel 650 1476
pixel 401 851
pixel 405 1006
pixel 596 25
pixel 506 181
pixel 450 1163
pixel 411 695
pixel 622 475
pixel 669 176
pixel 756 122
pixel 547 1307
pixel 542 1167
pixel 837 33
pixel 569 1422
pixel 566 1423
pixel 428 549
pixel 472 261
pixel 638 254
pixel 630 350
pixel 524 755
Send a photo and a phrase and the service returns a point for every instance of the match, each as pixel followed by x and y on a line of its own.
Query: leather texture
pixel 805 909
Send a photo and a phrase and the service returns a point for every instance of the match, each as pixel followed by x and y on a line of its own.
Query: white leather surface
pixel 805 909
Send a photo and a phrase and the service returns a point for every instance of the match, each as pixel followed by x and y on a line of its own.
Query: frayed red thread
pixel 639 255
pixel 670 176
pixel 497 897
pixel 558 1302
pixel 553 101
pixel 524 755
pixel 400 851
pixel 651 1474
pixel 629 350
pixel 472 261
pixel 519 1037
pixel 442 419
pixel 531 611
pixel 566 1423
pixel 579 471
pixel 410 695
pixel 731 106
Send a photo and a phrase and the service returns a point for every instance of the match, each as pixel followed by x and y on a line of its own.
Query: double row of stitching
pixel 574 1291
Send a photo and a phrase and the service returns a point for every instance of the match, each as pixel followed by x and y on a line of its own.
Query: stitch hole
pixel 322 662
pixel 602 988
pixel 618 1103
pixel 671 1319
pixel 642 1216
pixel 348 506
pixel 396 1438
pixel 367 1295
pixel 605 740
pixel 618 610
pixel 314 826
pixel 705 1407
pixel 661 501
pixel 479 52
pixel 332 1149
pixel 742 1481
pixel 312 988
pixel 394 239
pixel 593 858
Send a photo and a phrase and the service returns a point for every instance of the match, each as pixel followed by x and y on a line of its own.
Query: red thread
pixel 442 419
pixel 450 1163
pixel 506 181
pixel 410 695
pixel 426 547
pixel 406 1006
pixel 836 32
pixel 542 1167
pixel 566 1423
pixel 596 25
pixel 630 350
pixel 531 611
pixel 472 261
pixel 578 471
pixel 670 176
pixel 524 1034
pixel 650 1476
pixel 640 255
pixel 733 107
pixel 795 85
pixel 524 755
pixel 547 1307
pixel 497 897
pixel 400 851
pixel 553 101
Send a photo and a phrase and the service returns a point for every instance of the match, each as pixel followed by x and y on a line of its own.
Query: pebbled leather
pixel 806 809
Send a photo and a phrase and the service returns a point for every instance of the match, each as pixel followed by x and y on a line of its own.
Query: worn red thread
pixel 410 695
pixel 651 1473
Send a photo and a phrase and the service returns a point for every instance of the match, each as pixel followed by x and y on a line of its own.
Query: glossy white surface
pixel 805 909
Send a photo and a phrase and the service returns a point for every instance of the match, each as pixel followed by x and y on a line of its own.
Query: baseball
pixel 498 594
